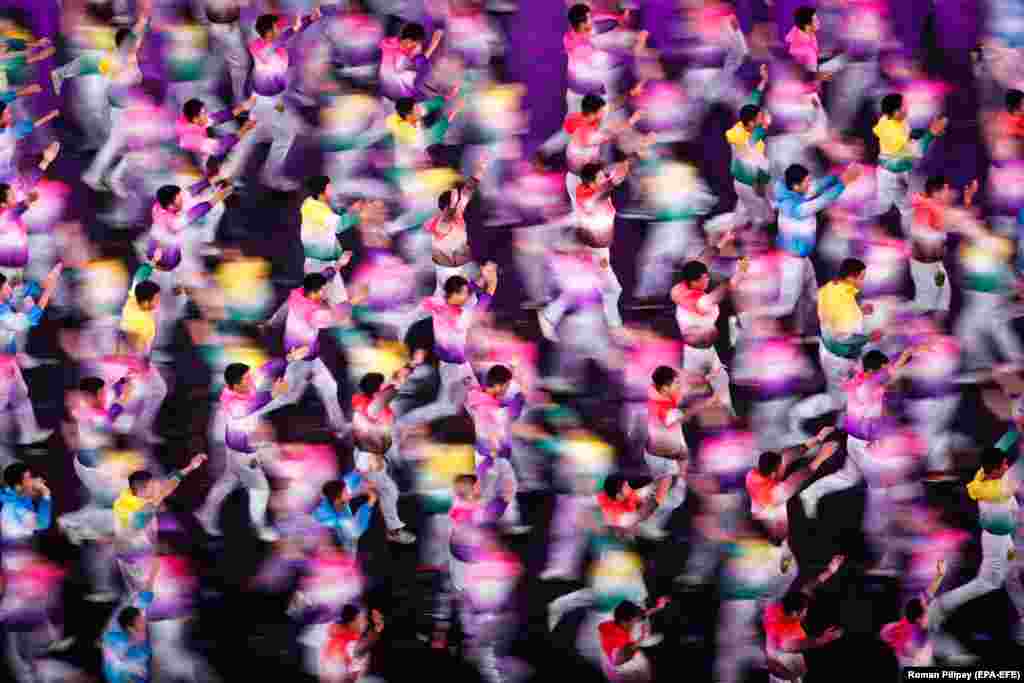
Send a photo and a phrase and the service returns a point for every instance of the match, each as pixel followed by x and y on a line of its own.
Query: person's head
pixel 874 360
pixel 371 383
pixel 5 115
pixel 853 271
pixel 627 614
pixel 892 107
pixel 313 286
pixel 798 179
pixel 579 18
pixel 795 605
pixel 354 618
pixel 750 116
pixel 7 196
pixel 467 487
pixel 616 486
pixel 937 188
pixel 696 275
pixel 406 109
pixel 195 112
pixel 318 187
pixel 132 622
pixel 449 200
pixel 238 378
pixel 123 39
pixel 770 465
pixel 1015 101
pixel 806 19
pixel 6 292
pixel 456 290
pixel 142 484
pixel 592 107
pixel 337 493
pixel 18 476
pixel 666 381
pixel 266 26
pixel 994 462
pixel 412 37
pixel 147 295
pixel 497 380
pixel 91 387
pixel 590 173
pixel 915 612
pixel 170 197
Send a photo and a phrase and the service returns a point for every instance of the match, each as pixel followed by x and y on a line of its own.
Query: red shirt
pixel 614 510
pixel 339 651
pixel 613 639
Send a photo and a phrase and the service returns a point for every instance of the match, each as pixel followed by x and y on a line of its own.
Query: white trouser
pixel 277 124
pixel 152 390
pixel 585 337
pixel 91 108
pixel 993 573
pixel 981 319
pixel 386 487
pixel 661 468
pixel 667 244
pixel 113 146
pixel 243 469
pixel 611 292
pixel 494 484
pixel 706 362
pixel 451 395
pixel 345 171
pixel 567 542
pixel 336 293
pixel 770 420
pixel 572 183
pixel 798 292
pixel 838 371
pixel 894 190
pixel 231 46
pixel 173 659
pixel 172 306
pixel 752 207
pixel 851 474
pixel 299 374
pixel 533 244
pixel 852 84
pixel 929 295
pixel 17 406
pixel 737 644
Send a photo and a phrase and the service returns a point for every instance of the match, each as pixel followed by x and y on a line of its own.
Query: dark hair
pixel 794 601
pixel 991 459
pixel 454 285
pixel 768 462
pixel 413 32
pixel 498 374
pixel 371 383
pixel 126 617
pixel 317 185
pixel 795 175
pixel 234 373
pixel 136 480
pixel 404 106
pixel 312 283
pixel 122 35
pixel 749 112
pixel 850 267
pixel 891 104
pixel 3 279
pixel 5 191
pixel 444 201
pixel 265 24
pixel 348 614
pixel 934 184
pixel 914 609
pixel 192 108
pixel 591 104
pixel 166 195
pixel 588 173
pixel 146 291
pixel 803 16
pixel 874 360
pixel 578 15
pixel 663 375
pixel 1014 98
pixel 91 385
pixel 14 473
pixel 332 490
pixel 467 479
pixel 613 484
pixel 3 108
pixel 693 271
pixel 627 611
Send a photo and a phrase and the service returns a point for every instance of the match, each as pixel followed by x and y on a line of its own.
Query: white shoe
pixel 36 437
pixel 268 535
pixel 517 529
pixel 60 645
pixel 555 574
pixel 102 597
pixel 57 80
pixel 546 328
pixel 95 183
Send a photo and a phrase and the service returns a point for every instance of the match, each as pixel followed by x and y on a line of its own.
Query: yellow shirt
pixel 138 323
pixel 738 136
pixel 126 508
pixel 838 310
pixel 405 133
pixel 987 490
pixel 893 136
